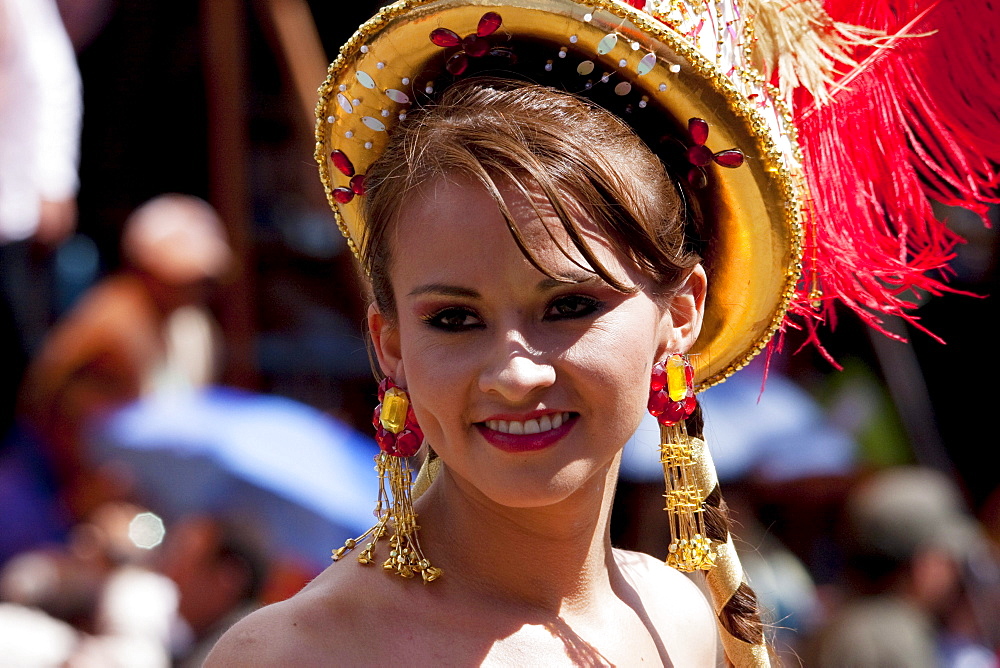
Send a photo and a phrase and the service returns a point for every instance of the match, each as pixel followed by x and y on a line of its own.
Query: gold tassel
pixel 690 549
pixel 396 517
pixel 398 436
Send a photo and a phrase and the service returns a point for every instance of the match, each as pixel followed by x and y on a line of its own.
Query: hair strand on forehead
pixel 581 158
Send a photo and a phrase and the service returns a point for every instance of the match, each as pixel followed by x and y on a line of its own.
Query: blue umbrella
pixel 300 478
pixel 780 434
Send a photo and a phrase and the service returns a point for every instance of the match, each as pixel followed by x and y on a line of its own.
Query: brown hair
pixel 494 130
pixel 740 615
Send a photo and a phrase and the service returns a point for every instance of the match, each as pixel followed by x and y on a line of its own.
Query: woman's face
pixel 525 386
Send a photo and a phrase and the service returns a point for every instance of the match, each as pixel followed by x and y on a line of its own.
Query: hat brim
pixel 752 235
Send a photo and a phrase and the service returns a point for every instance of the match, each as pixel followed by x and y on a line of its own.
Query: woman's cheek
pixel 438 376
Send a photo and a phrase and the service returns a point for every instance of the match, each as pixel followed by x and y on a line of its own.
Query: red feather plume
pixel 917 117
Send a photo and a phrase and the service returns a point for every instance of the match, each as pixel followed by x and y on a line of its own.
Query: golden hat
pixel 654 70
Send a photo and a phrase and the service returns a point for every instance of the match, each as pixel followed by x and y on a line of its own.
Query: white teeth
pixel 544 423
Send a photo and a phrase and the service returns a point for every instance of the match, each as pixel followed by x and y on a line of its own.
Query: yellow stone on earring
pixel 676 383
pixel 394 406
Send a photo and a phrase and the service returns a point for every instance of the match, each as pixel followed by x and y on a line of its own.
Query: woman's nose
pixel 517 373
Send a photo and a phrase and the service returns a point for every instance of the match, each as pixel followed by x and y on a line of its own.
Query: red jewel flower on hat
pixel 346 167
pixel 474 45
pixel 700 155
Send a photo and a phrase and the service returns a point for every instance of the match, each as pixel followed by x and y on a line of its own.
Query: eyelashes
pixel 562 308
pixel 454 319
pixel 572 307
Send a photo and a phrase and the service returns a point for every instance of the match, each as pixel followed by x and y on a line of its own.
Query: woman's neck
pixel 554 558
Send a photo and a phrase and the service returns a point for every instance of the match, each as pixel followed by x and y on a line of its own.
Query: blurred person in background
pixel 220 572
pixel 143 330
pixel 126 591
pixel 40 115
pixel 93 601
pixel 922 578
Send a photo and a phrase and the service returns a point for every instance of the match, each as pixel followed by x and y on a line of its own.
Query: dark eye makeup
pixel 453 319
pixel 569 307
pixel 564 307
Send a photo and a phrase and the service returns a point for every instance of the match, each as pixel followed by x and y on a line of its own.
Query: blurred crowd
pixel 145 506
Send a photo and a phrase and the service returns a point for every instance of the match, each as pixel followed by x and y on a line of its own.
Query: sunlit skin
pixel 480 335
pixel 519 524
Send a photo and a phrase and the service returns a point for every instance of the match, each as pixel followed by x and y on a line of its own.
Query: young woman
pixel 524 329
pixel 539 263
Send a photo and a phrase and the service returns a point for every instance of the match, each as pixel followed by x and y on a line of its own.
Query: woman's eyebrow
pixel 546 284
pixel 445 290
pixel 570 278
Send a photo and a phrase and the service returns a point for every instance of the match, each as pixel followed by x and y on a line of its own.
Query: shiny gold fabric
pixel 753 223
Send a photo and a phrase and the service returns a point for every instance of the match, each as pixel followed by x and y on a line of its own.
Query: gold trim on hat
pixel 753 215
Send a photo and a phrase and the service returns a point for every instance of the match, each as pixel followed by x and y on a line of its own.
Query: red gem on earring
pixel 383 386
pixel 667 411
pixel 343 195
pixel 488 24
pixel 445 38
pixel 386 440
pixel 342 162
pixel 658 379
pixel 411 424
pixel 659 401
pixel 358 185
pixel 407 443
pixel 673 414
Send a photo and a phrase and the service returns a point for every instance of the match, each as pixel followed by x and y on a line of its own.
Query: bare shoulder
pixel 676 606
pixel 652 575
pixel 301 631
pixel 264 638
pixel 316 626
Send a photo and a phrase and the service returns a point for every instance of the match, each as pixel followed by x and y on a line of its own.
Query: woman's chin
pixel 536 487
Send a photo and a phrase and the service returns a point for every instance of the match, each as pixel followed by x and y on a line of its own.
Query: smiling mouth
pixel 536 426
pixel 519 436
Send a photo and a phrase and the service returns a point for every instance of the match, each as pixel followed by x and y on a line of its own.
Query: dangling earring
pixel 689 472
pixel 399 437
pixel 672 401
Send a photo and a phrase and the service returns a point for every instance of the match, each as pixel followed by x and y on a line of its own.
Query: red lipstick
pixel 526 442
